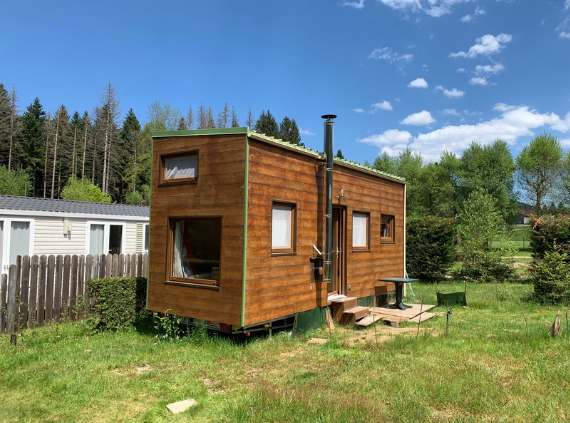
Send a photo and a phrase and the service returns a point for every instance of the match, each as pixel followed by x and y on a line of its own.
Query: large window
pixel 180 168
pixel 387 228
pixel 105 238
pixel 360 232
pixel 195 250
pixel 283 222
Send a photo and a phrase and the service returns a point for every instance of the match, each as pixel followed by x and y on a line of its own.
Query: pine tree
pixel 76 127
pixel 32 141
pixel 129 138
pixel 250 120
pixel 224 116
pixel 266 124
pixel 202 117
pixel 289 131
pixel 86 133
pixel 61 136
pixel 210 118
pixel 339 154
pixel 14 146
pixel 110 111
pixel 190 121
pixel 235 123
pixel 4 126
pixel 182 124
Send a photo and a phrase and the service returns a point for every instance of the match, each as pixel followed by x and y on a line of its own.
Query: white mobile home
pixel 44 226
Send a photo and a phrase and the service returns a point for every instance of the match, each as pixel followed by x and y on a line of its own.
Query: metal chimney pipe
pixel 329 254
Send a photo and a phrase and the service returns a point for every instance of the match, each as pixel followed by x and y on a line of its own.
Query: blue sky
pixel 429 74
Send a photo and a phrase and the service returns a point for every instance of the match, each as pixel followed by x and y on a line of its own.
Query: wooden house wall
pixel 219 191
pixel 279 285
pixel 377 196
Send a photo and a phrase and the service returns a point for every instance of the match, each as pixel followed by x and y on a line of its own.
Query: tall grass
pixel 496 363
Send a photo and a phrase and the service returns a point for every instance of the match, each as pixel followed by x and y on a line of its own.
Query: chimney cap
pixel 329 117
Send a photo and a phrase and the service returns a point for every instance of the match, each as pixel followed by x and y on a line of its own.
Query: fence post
pixel 57 291
pixel 73 288
pixel 24 291
pixel 3 306
pixel 11 325
pixel 42 290
pixel 49 287
pixel 33 307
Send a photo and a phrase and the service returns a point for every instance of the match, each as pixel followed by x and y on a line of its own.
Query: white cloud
pixel 386 53
pixel 306 132
pixel 419 119
pixel 567 5
pixel 487 45
pixel 433 8
pixel 461 70
pixel 356 4
pixel 418 83
pixel 466 18
pixel 482 69
pixel 390 139
pixel 564 28
pixel 453 93
pixel 358 110
pixel 512 123
pixel 385 105
pixel 478 80
pixel 451 112
pixel 478 12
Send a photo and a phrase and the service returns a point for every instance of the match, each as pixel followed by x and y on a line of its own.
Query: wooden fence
pixel 40 289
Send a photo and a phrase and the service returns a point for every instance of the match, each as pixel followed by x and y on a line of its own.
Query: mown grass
pixel 496 362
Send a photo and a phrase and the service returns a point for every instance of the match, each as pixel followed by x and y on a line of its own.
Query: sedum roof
pixel 16 203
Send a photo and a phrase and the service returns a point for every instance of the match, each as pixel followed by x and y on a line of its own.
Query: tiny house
pixel 238 226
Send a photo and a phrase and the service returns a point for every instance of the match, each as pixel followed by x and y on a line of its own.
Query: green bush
pixel 548 232
pixel 551 277
pixel 430 243
pixel 119 302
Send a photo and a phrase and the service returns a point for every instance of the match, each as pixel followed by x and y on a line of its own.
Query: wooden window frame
pixel 360 248
pixel 179 280
pixel 392 223
pixel 285 251
pixel 163 181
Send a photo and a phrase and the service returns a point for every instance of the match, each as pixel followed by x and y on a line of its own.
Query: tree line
pixel 93 155
pixel 539 175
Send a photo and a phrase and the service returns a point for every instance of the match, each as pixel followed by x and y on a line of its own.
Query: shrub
pixel 551 277
pixel 548 232
pixel 119 302
pixel 430 243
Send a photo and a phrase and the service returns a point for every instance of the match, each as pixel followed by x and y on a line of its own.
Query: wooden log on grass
pixel 556 329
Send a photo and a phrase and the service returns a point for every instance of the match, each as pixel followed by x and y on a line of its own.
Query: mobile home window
pixel 15 240
pixel 146 236
pixel 283 228
pixel 105 238
pixel 179 168
pixel 360 231
pixel 387 228
pixel 195 249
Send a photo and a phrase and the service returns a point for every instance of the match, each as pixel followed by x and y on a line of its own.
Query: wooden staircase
pixel 346 311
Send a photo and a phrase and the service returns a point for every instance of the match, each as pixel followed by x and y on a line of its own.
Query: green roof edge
pixel 193 132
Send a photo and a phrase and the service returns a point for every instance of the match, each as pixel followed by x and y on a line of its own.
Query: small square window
pixel 179 168
pixel 387 228
pixel 283 221
pixel 360 231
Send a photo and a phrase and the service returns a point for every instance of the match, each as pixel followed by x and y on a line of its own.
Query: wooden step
pixel 352 315
pixel 342 304
pixel 368 320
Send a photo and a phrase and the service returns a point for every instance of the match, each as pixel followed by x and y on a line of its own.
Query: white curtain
pixel 96 234
pixel 281 227
pixel 178 247
pixel 359 230
pixel 19 240
pixel 181 167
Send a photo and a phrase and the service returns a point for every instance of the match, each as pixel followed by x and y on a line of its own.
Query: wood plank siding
pixel 218 191
pixel 277 285
pixel 281 285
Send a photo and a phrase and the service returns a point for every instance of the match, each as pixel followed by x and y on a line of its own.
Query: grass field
pixel 495 363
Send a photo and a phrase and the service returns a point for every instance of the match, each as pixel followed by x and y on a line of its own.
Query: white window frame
pixel 366 217
pixel 289 228
pixel 106 231
pixel 7 229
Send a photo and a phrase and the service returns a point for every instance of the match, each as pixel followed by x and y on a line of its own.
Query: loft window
pixel 386 228
pixel 179 168
pixel 360 231
pixel 283 222
pixel 195 249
